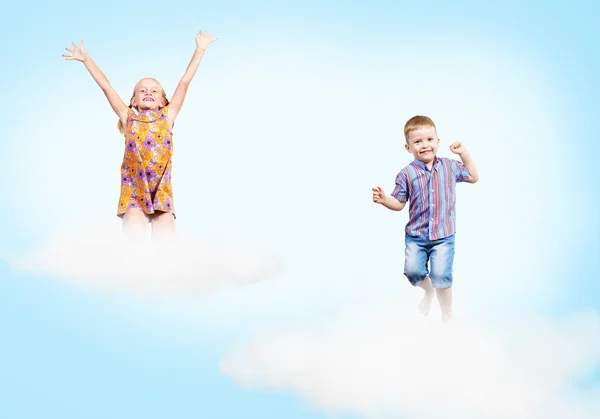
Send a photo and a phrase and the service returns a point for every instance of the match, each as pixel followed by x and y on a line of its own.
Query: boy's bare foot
pixel 425 303
pixel 445 299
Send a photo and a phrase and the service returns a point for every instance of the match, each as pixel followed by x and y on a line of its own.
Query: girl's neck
pixel 148 110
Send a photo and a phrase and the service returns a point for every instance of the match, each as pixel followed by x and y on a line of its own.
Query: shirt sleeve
pixel 401 190
pixel 460 171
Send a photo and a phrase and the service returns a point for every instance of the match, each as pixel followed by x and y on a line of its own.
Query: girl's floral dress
pixel 146 168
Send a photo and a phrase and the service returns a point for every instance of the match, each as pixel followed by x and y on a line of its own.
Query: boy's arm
pixel 379 197
pixel 470 165
pixel 78 53
pixel 458 148
pixel 202 41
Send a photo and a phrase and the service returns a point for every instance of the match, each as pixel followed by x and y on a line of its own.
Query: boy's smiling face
pixel 423 144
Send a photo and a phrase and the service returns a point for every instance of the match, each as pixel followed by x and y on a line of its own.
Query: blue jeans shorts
pixel 440 255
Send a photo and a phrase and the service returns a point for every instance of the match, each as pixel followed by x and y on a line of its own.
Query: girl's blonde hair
pixel 164 95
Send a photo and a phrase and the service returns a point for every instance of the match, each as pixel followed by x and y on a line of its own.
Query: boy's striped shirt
pixel 431 196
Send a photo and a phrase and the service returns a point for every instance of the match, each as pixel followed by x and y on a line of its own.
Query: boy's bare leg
pixel 444 296
pixel 425 303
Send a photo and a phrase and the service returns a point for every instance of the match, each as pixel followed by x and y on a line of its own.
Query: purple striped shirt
pixel 431 196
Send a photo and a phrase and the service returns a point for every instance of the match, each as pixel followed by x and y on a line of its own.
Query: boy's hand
pixel 77 53
pixel 378 195
pixel 203 39
pixel 458 148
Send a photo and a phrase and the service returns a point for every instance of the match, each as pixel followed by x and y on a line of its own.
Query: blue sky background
pixel 71 352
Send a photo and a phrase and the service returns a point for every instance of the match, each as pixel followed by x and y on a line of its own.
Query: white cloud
pixel 99 256
pixel 388 362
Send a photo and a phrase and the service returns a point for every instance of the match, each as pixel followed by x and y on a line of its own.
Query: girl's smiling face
pixel 148 94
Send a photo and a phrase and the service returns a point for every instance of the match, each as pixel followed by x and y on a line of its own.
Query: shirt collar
pixel 422 165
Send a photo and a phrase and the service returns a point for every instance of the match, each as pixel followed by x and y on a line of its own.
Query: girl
pixel 147 123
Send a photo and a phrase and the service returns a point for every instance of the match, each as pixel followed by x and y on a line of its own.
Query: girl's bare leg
pixel 425 303
pixel 135 222
pixel 163 227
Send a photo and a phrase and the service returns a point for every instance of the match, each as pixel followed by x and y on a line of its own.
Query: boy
pixel 429 184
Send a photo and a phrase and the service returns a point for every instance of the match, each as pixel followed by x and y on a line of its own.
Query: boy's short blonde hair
pixel 417 122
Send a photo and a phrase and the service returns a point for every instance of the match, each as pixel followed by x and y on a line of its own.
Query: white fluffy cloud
pixel 387 362
pixel 100 257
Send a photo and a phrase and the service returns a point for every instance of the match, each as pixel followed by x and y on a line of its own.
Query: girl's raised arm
pixel 203 39
pixel 78 53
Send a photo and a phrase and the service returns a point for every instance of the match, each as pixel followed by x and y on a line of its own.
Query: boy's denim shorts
pixel 440 255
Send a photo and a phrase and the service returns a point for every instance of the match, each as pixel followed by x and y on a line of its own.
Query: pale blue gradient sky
pixel 68 352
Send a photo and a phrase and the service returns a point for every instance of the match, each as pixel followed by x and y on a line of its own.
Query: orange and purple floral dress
pixel 146 168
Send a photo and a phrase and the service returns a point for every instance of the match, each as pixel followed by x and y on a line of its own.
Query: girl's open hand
pixel 77 53
pixel 203 39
